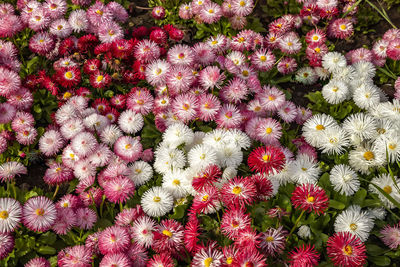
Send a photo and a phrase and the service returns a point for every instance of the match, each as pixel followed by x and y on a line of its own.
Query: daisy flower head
pixel 315 36
pixel 334 141
pixel 273 241
pixel 340 28
pixel 181 55
pixel 210 12
pixel 85 218
pixel 99 14
pixel 207 200
pixel 361 125
pixel 344 179
pixel 51 142
pixel 7 243
pixel 287 65
pixel 7 113
pixel 130 122
pixel 185 107
pixel 142 231
pixel 335 92
pixel 267 159
pixel 9 170
pixel 388 184
pixel 334 61
pixel 38 262
pixel 390 236
pixel 238 192
pixel 249 256
pixel 304 232
pixel 168 236
pixel 114 239
pixel 115 259
pixel 234 221
pixel 304 255
pixel 39 19
pixel 288 112
pixel 393 49
pixel 391 142
pixel 60 28
pixel 354 221
pixel 208 107
pixel 346 249
pixel 211 77
pixel 178 134
pixel 57 174
pixel 176 183
pixel 310 198
pixel 229 116
pixel 119 189
pixel 306 75
pixel 304 169
pixel 208 256
pixel 39 214
pixel 185 11
pixel 242 8
pixel 201 156
pixel 157 71
pixel 289 43
pixel 78 20
pixel 10 214
pixel 206 177
pixel 128 148
pixel 263 59
pixel 314 127
pixel 163 259
pixel 168 159
pixel 75 256
pixel 26 136
pixel 140 173
pixel 41 43
pixel 157 201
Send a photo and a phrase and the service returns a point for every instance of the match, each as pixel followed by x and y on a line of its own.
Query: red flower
pixel 122 48
pixel 238 192
pixel 345 249
pixel 91 66
pixel 309 198
pixel 304 256
pixel 263 186
pixel 87 42
pixel 68 77
pixel 100 79
pixel 266 159
pixel 208 176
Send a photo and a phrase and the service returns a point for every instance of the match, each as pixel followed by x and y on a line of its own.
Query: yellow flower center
pixel 167 233
pixel 387 189
pixel 269 239
pixel 242 3
pixel 348 250
pixel 263 58
pixel 310 199
pixel 257 109
pixel 39 212
pixel 204 198
pixel 229 260
pixel 320 127
pixel 176 182
pixel 208 261
pixel 392 146
pixel 343 27
pixel 211 11
pixel 203 156
pixel 68 75
pixel 268 130
pixel 237 190
pixel 317 49
pixel 59 27
pixel 156 199
pixel 65 205
pixel 369 155
pixel 271 98
pixel 128 146
pixel 99 78
pixel 98 11
pixel 185 106
pixel 266 158
pixel 353 226
pixel 4 215
pixel 245 73
pixel 315 38
pixel 289 43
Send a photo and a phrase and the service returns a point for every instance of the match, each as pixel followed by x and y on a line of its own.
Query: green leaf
pixel 389 197
pixel 102 224
pixel 375 250
pixel 336 204
pixel 30 194
pixel 46 250
pixel 48 238
pixel 380 260
pixel 359 197
pixel 179 212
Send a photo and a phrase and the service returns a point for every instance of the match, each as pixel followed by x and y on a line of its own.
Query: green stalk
pixel 295 224
pixel 55 192
pixel 383 14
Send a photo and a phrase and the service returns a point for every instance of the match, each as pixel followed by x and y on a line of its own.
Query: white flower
pixel 142 231
pixel 386 183
pixel 303 170
pixel 197 140
pixel 141 172
pixel 314 127
pixel 167 159
pixel 201 156
pixel 157 202
pixel 176 183
pixel 71 127
pixel 364 70
pixel 344 180
pixel 130 122
pixel 283 176
pixel 366 95
pixel 177 134
pixel 391 111
pixel 306 75
pixel 334 140
pixel 64 113
pixel 377 213
pixel 304 232
pixel 335 92
pixel 365 157
pixel 96 122
pixel 239 138
pixel 333 61
pixel 390 145
pixel 10 214
pixel 345 74
pixel 110 134
pixel 215 138
pixel 229 155
pixel 355 221
pixel 361 124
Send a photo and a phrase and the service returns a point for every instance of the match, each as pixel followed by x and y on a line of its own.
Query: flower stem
pixel 295 224
pixel 55 192
pixel 383 14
